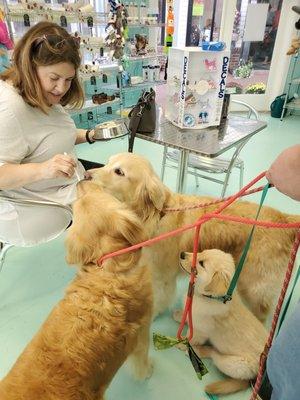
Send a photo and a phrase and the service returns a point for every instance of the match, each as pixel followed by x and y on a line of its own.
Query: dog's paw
pixel 203 351
pixel 177 315
pixel 143 372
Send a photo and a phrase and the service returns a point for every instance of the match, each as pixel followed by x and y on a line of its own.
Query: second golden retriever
pixel 131 179
pixel 104 317
pixel 236 336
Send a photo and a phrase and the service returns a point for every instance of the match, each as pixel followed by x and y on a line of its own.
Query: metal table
pixel 208 142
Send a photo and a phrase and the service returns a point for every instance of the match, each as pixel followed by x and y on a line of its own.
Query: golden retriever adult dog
pixel 236 336
pixel 103 318
pixel 131 179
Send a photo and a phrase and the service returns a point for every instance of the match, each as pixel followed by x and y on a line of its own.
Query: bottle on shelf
pixel 145 72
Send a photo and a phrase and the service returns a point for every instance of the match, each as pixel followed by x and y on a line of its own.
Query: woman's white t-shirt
pixel 27 135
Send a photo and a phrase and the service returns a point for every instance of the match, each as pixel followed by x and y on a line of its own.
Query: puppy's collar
pixel 224 299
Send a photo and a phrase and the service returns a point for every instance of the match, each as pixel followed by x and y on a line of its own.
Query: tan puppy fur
pixel 236 336
pixel 131 179
pixel 104 317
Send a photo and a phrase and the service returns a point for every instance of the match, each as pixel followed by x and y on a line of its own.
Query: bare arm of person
pixel 81 136
pixel 13 176
pixel 284 173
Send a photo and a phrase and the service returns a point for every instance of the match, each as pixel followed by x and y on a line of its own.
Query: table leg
pixel 182 171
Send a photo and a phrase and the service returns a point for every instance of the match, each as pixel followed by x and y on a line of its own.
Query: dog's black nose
pixel 182 255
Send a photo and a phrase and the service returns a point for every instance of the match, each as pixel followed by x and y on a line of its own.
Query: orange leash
pixel 268 345
pixel 213 202
pixel 187 314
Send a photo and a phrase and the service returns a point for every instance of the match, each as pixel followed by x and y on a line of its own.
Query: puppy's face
pixel 131 179
pixel 101 225
pixel 214 271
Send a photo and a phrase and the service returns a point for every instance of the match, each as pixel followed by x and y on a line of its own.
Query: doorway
pixel 258 33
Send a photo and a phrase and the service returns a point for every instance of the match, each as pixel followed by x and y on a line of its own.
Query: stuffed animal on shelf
pixel 140 44
pixel 116 29
pixel 295 45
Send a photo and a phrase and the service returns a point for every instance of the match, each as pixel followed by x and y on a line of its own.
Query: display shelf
pixel 143 57
pixel 145 84
pixel 53 13
pixel 143 25
pixel 137 86
pixel 100 68
pixel 85 123
pixel 90 106
pixel 293 105
pixel 293 85
pixel 94 51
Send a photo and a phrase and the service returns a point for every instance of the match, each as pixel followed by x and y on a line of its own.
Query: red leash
pixel 210 203
pixel 268 345
pixel 187 314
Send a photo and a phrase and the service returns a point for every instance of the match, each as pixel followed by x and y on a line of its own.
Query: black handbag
pixel 142 117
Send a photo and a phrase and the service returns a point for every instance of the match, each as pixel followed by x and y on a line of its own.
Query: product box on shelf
pixel 196 86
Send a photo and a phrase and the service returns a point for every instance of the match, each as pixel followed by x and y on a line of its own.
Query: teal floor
pixel 34 279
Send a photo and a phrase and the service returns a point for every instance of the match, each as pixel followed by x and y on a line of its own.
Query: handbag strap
pixel 143 102
pixel 134 125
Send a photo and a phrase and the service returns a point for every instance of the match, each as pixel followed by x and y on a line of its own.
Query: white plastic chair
pixel 27 223
pixel 198 165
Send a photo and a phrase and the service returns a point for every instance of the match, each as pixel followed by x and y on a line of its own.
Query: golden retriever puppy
pixel 131 179
pixel 104 317
pixel 236 336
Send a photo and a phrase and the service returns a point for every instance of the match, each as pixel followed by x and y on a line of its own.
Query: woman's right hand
pixel 284 172
pixel 61 165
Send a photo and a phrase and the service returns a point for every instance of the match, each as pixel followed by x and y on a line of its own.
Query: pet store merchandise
pixel 120 58
pixel 196 86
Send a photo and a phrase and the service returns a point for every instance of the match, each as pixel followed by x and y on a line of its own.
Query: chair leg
pixel 241 175
pixel 196 178
pixel 225 184
pixel 163 165
pixel 3 250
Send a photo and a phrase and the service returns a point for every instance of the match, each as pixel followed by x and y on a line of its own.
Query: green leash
pixel 233 283
pixel 164 342
pixel 211 396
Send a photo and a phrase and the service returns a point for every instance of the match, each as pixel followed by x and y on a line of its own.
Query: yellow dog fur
pixel 103 318
pixel 131 179
pixel 236 337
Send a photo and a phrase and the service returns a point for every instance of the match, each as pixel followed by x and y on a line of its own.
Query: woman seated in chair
pixel 37 136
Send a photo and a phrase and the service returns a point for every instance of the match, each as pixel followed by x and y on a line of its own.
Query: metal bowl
pixel 110 130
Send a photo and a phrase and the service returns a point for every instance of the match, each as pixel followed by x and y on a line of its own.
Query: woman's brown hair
pixel 46 43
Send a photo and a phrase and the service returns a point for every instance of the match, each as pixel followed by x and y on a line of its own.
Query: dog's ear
pixel 82 237
pixel 129 226
pixel 150 197
pixel 79 250
pixel 219 284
